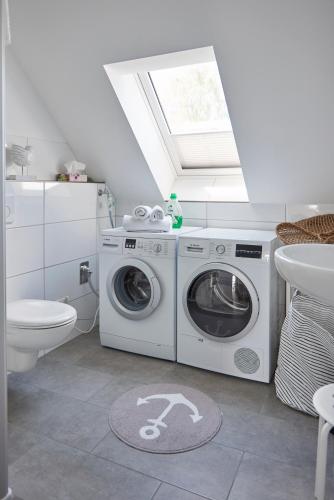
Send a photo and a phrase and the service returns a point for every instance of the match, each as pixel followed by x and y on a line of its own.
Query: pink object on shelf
pixel 78 178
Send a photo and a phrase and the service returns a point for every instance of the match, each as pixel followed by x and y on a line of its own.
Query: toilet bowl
pixel 33 325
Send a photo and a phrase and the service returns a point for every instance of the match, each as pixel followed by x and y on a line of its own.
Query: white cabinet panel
pixel 69 201
pixel 264 212
pixel 24 250
pixel 26 286
pixel 28 203
pixel 64 280
pixel 67 241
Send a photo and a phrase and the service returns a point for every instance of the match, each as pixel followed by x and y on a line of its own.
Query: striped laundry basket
pixel 306 353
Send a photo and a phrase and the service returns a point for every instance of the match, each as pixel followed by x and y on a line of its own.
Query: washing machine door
pixel 133 289
pixel 221 302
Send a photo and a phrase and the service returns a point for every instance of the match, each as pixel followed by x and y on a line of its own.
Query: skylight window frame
pixel 152 101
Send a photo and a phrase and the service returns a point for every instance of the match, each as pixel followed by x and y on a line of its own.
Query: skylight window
pixel 192 114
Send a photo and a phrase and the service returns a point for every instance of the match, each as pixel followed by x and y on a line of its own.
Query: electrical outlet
pixel 84 273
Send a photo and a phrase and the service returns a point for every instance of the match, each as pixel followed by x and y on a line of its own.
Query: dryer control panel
pixel 222 249
pixel 248 251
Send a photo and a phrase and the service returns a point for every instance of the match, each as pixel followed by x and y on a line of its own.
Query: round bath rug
pixel 165 418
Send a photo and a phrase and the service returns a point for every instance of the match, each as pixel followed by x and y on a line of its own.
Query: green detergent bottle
pixel 175 211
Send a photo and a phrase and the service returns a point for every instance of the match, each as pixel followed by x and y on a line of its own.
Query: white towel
pixel 138 225
pixel 157 214
pixel 142 212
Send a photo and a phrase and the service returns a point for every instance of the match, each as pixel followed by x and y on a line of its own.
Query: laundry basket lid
pixel 39 313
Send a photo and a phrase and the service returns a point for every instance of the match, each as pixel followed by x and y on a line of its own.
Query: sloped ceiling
pixel 276 63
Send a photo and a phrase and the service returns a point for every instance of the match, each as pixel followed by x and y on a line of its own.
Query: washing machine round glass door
pixel 221 302
pixel 133 289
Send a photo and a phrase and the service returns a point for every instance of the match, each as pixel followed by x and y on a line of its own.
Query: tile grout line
pixel 262 456
pixel 236 473
pixel 53 265
pixel 156 491
pixel 146 474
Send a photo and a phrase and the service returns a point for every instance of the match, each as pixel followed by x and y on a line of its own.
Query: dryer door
pixel 133 289
pixel 221 302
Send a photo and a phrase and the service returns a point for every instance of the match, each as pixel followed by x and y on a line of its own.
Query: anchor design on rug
pixel 152 431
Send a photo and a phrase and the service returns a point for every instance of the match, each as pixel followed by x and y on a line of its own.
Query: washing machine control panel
pixel 248 251
pixel 130 243
pixel 148 247
pixel 221 249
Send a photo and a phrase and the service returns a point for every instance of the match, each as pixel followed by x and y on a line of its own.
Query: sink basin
pixel 309 268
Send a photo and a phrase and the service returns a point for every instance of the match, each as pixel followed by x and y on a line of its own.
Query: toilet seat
pixel 39 314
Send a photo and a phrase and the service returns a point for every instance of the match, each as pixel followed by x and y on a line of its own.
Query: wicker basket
pixel 318 229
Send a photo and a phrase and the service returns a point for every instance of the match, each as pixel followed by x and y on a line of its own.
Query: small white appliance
pixel 230 302
pixel 138 291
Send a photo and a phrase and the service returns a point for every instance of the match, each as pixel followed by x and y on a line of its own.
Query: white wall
pixel 276 63
pixel 53 229
pixel 238 215
pixel 28 119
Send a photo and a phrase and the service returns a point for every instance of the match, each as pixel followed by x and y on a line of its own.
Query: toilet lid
pixel 39 313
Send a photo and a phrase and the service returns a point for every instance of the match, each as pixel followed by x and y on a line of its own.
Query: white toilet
pixel 33 325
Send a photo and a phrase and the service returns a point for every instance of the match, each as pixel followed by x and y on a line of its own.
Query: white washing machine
pixel 230 302
pixel 138 291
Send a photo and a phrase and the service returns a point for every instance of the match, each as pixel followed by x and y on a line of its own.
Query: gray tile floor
pixel 61 446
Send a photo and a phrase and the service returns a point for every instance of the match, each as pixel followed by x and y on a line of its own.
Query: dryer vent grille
pixel 246 360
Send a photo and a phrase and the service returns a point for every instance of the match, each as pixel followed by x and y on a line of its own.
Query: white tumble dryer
pixel 138 291
pixel 230 302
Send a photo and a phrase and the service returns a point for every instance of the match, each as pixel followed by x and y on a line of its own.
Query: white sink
pixel 309 268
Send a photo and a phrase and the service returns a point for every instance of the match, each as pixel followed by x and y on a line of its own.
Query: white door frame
pixel 5 492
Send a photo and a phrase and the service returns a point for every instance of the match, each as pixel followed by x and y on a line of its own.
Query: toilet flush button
pixel 220 249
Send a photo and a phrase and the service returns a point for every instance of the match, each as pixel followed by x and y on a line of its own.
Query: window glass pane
pixel 192 98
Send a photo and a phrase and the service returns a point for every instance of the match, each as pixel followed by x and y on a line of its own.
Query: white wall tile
pixel 65 241
pixel 195 222
pixel 69 201
pixel 26 286
pixel 193 210
pixel 119 221
pixel 28 202
pixel 24 250
pixel 269 226
pixel 126 207
pixel 86 307
pixel 63 280
pixel 297 212
pixel 246 212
